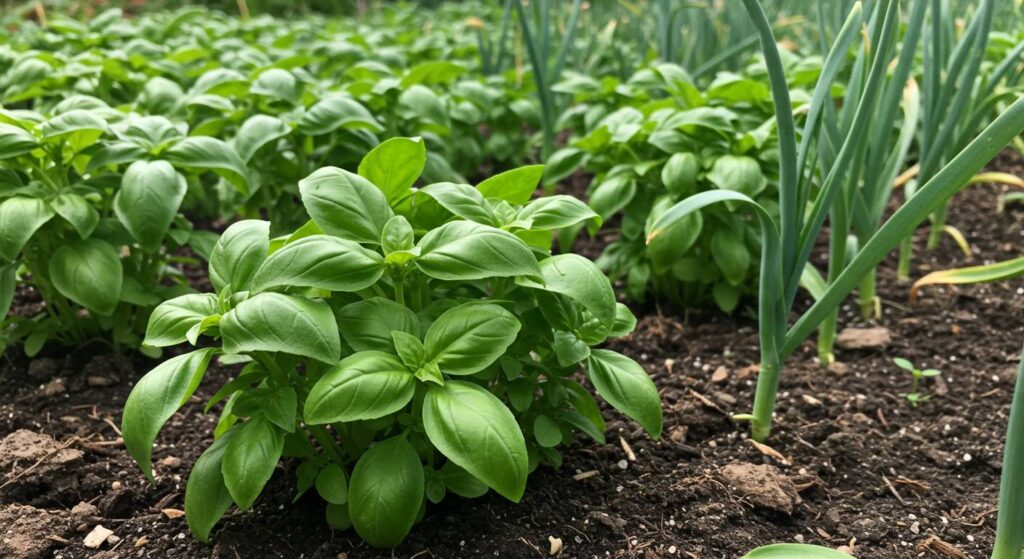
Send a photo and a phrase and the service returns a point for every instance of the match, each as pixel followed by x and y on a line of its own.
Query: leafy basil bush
pixel 656 139
pixel 89 218
pixel 404 344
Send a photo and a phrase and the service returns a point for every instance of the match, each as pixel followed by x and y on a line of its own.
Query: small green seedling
pixel 915 396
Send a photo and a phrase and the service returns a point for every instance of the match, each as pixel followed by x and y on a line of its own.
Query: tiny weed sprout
pixel 404 344
pixel 914 396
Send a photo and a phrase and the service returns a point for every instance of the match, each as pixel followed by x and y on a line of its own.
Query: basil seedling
pixel 914 396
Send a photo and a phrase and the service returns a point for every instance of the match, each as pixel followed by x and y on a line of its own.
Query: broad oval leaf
pixel 20 217
pixel 151 193
pixel 250 459
pixel 77 211
pixel 282 323
pixel 394 166
pixel 156 397
pixel 515 186
pixel 462 200
pixel 336 111
pixel 556 212
pixel 256 132
pixel 15 141
pixel 473 429
pixel 579 279
pixel 320 261
pixel 206 496
pixel 238 253
pixel 738 172
pixel 463 250
pixel 626 386
pixel 367 385
pixel 171 320
pixel 345 204
pixel 385 492
pixel 367 325
pixel 88 271
pixel 468 338
pixel 205 152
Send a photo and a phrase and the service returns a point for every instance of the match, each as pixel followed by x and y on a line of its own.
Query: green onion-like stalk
pixel 1010 525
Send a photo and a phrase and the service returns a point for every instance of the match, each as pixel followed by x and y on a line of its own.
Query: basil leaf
pixel 205 152
pixel 463 250
pixel 155 398
pixel 8 283
pixel 151 193
pixel 171 320
pixel 89 273
pixel 471 427
pixel 366 385
pixel 282 323
pixel 250 459
pixel 579 279
pixel 77 211
pixel 15 141
pixel 394 166
pixel 256 132
pixel 515 186
pixel 385 492
pixel 462 200
pixel 367 325
pixel 557 212
pixel 345 205
pixel 320 261
pixel 20 217
pixel 206 496
pixel 738 172
pixel 468 338
pixel 336 111
pixel 238 253
pixel 332 484
pixel 626 386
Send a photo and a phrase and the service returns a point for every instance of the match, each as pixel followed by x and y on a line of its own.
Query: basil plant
pixel 404 344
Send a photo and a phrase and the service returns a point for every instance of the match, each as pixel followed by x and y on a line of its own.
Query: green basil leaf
pixel 738 172
pixel 88 271
pixel 334 112
pixel 612 195
pixel 394 166
pixel 238 253
pixel 256 132
pixel 206 496
pixel 473 429
pixel 515 186
pixel 151 193
pixel 155 398
pixel 345 205
pixel 625 322
pixel 679 174
pixel 730 254
pixel 462 200
pixel 80 128
pixel 320 261
pixel 205 152
pixel 280 408
pixel 171 320
pixel 410 349
pixel 626 386
pixel 461 482
pixel 332 484
pixel 579 279
pixel 367 325
pixel 366 385
pixel 282 323
pixel 15 141
pixel 250 459
pixel 547 432
pixel 398 235
pixel 277 83
pixel 385 492
pixel 20 217
pixel 569 349
pixel 463 250
pixel 557 212
pixel 76 211
pixel 468 338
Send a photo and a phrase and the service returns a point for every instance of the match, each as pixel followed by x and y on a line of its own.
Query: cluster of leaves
pixel 403 344
pixel 110 130
pixel 656 139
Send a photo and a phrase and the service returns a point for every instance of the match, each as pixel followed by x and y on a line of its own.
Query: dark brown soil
pixel 870 471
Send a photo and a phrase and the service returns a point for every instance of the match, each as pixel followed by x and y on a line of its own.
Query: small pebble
pixel 623 464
